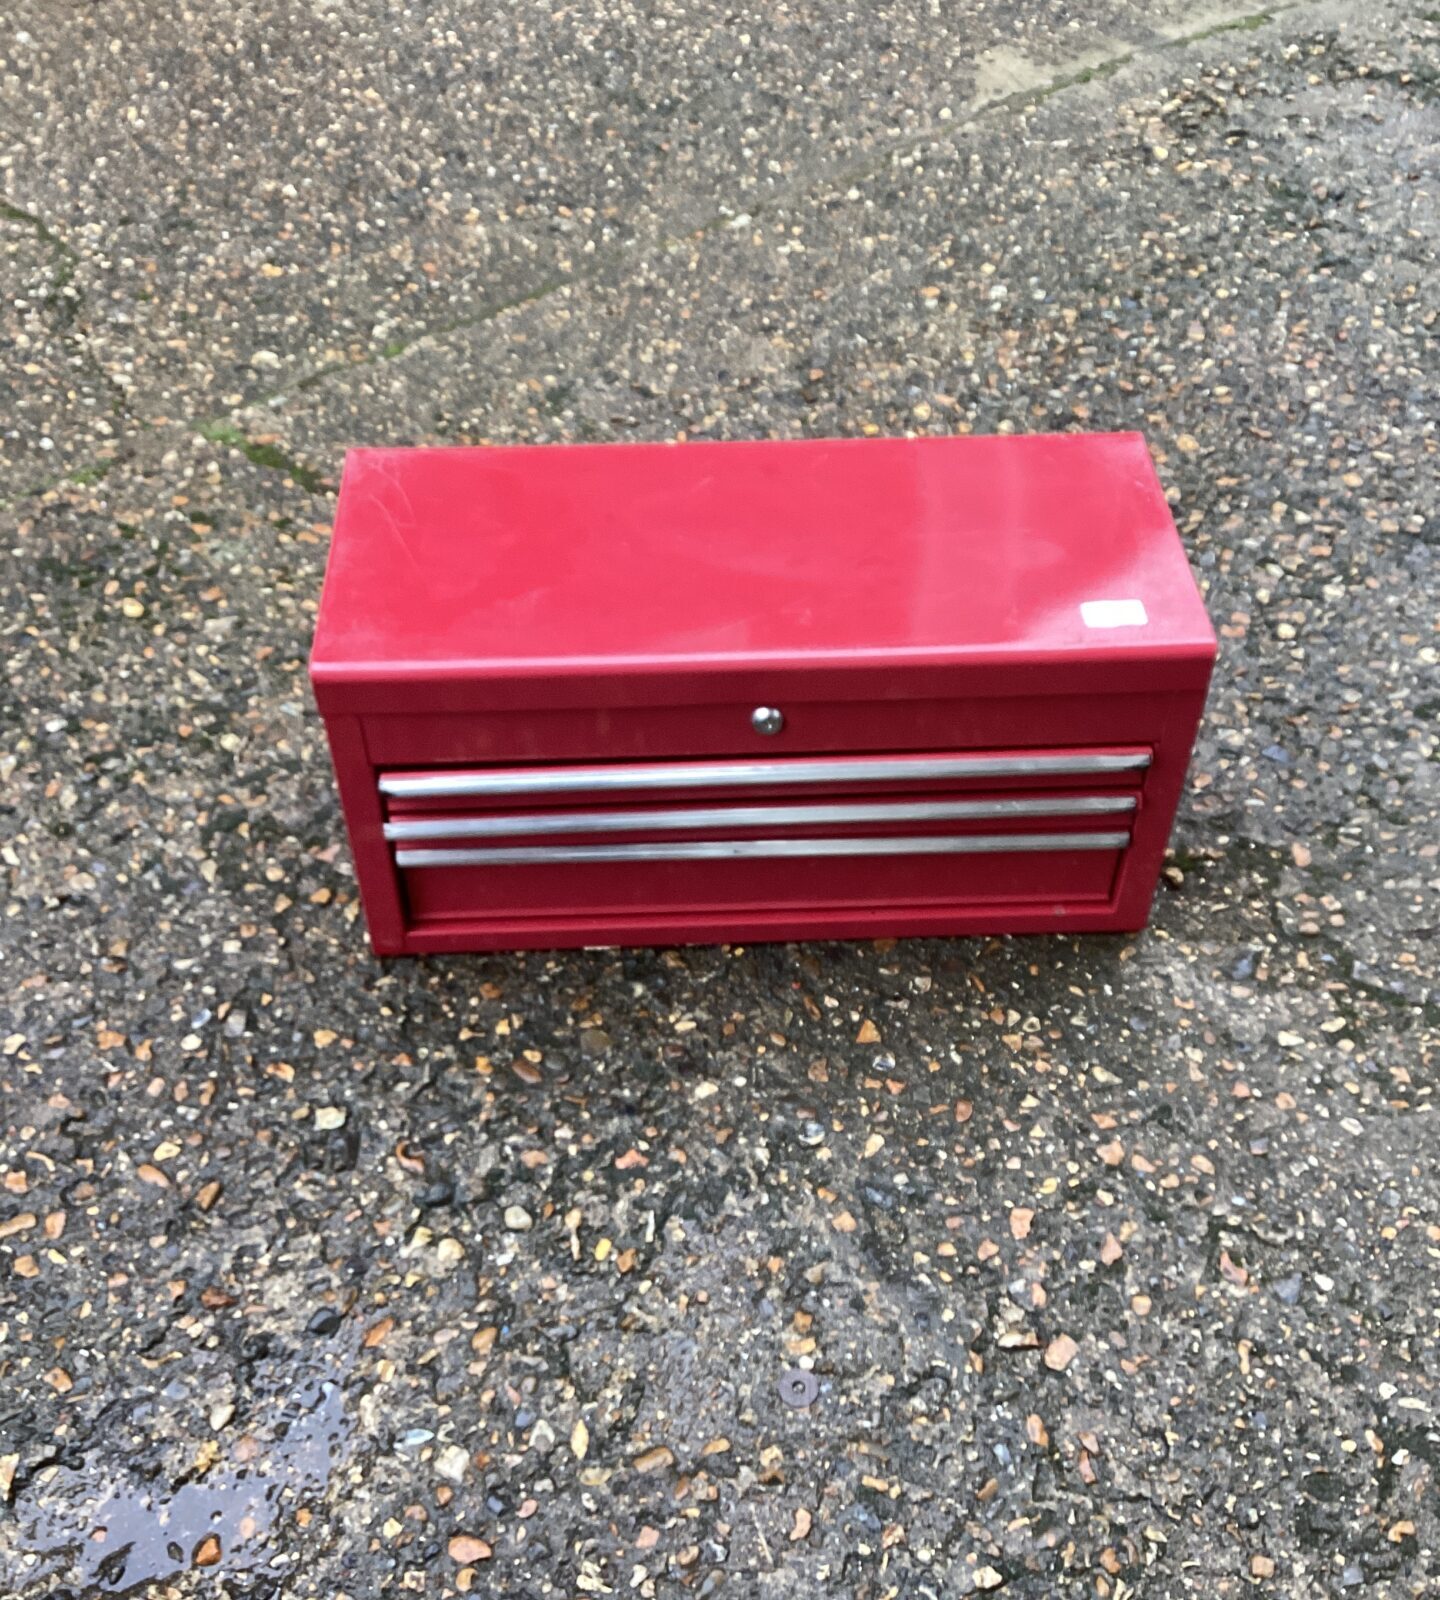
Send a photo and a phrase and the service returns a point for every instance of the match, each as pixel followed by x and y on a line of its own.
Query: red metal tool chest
pixel 650 693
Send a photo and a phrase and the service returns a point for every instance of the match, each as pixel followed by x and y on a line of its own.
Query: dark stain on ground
pixel 93 1529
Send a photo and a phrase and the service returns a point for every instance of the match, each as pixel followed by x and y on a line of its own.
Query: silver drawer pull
pixel 732 849
pixel 704 774
pixel 779 816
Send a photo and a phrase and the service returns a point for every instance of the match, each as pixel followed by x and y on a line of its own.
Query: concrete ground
pixel 1115 1261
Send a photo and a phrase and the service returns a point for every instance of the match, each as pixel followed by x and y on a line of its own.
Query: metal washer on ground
pixel 798 1388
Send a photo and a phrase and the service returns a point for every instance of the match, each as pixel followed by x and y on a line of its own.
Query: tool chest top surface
pixel 505 562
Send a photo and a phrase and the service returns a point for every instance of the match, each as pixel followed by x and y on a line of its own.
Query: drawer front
pixel 962 829
pixel 657 732
pixel 1062 868
pixel 1040 770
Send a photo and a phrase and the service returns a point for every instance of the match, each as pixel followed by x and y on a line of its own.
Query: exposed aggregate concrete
pixel 1114 1260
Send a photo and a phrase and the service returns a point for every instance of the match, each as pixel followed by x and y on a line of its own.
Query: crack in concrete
pixel 220 429
pixel 67 303
pixel 64 253
pixel 263 454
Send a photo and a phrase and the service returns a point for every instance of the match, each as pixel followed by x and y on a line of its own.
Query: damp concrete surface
pixel 1052 1267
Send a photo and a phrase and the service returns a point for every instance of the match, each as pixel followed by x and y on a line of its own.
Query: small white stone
pixel 452 1463
pixel 518 1219
pixel 328 1117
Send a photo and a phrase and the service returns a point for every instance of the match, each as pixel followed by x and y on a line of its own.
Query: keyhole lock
pixel 767 720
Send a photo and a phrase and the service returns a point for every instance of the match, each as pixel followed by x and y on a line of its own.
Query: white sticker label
pixel 1113 613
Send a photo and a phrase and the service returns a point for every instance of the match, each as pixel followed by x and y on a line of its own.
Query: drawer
pixel 963 829
pixel 1053 869
pixel 1043 771
pixel 696 728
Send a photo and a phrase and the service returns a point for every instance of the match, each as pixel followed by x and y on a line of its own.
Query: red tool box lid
pixel 558 569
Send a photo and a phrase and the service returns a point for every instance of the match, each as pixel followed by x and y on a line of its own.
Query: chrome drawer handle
pixel 793 816
pixel 703 774
pixel 733 849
